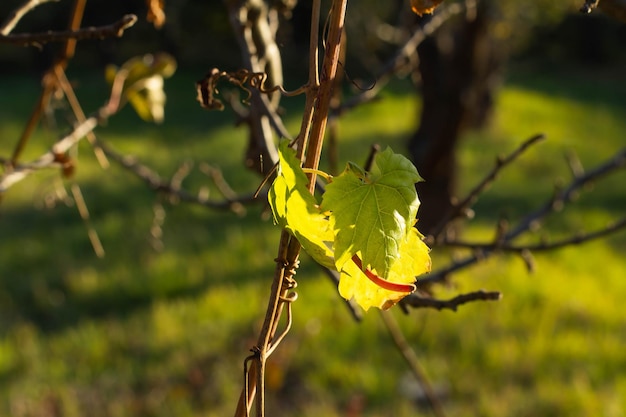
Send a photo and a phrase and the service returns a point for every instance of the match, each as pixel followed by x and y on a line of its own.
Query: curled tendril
pixel 244 79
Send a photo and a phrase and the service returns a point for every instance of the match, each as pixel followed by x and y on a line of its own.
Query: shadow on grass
pixel 601 88
pixel 49 274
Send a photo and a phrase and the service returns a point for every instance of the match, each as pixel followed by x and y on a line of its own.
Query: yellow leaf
pixel 414 261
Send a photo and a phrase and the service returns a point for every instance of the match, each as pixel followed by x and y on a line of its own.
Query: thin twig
pixel 398 60
pixel 92 233
pixel 472 197
pixel 50 80
pixel 79 114
pixel 416 301
pixel 17 14
pixel 618 161
pixel 37 39
pixel 150 177
pixel 50 158
pixel 543 246
pixel 411 359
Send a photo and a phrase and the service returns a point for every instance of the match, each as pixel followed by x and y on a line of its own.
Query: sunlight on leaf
pixel 296 209
pixel 414 261
pixel 373 212
pixel 367 215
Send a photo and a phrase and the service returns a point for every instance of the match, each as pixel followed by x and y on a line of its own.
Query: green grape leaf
pixel 391 183
pixel 373 212
pixel 297 210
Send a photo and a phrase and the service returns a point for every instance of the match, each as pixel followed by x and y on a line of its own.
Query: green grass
pixel 148 333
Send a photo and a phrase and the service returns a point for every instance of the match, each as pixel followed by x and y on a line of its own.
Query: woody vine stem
pixel 309 147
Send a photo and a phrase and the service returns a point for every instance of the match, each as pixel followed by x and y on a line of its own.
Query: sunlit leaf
pixel 413 261
pixel 376 211
pixel 373 212
pixel 297 210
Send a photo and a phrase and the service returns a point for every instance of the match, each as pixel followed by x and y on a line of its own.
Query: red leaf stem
pixel 381 282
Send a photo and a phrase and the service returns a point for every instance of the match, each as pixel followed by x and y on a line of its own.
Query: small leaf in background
pixel 143 83
pixel 421 7
pixel 374 211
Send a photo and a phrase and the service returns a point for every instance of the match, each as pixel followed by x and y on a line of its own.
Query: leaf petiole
pixel 381 282
pixel 327 177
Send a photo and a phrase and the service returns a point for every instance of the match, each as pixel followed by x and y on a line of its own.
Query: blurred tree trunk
pixel 459 70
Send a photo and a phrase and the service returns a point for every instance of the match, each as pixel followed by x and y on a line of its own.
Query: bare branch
pixel 17 14
pixel 353 308
pixel 618 161
pixel 37 39
pixel 473 195
pixel 398 61
pixel 51 158
pixel 411 359
pixel 544 246
pixel 172 188
pixel 417 301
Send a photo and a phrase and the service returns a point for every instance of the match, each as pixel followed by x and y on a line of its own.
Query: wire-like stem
pixel 318 96
pixel 411 359
pixel 329 71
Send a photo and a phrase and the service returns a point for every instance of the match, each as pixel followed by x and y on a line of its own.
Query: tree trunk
pixel 459 68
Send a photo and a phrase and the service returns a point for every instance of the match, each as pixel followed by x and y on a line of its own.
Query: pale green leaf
pixel 374 211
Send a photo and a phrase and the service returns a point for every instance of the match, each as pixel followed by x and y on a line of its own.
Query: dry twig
pixel 16 15
pixel 458 209
pixel 37 39
pixel 557 201
pixel 418 301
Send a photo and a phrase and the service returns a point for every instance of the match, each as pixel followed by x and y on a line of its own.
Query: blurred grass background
pixel 164 333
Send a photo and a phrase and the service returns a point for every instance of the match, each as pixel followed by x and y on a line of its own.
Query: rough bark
pixel 458 70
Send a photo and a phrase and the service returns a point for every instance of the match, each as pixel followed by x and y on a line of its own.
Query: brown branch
pixel 398 60
pixel 50 80
pixel 50 159
pixel 543 246
pixel 411 359
pixel 561 197
pixel 173 188
pixel 316 111
pixel 37 39
pixel 17 14
pixel 458 209
pixel 416 301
